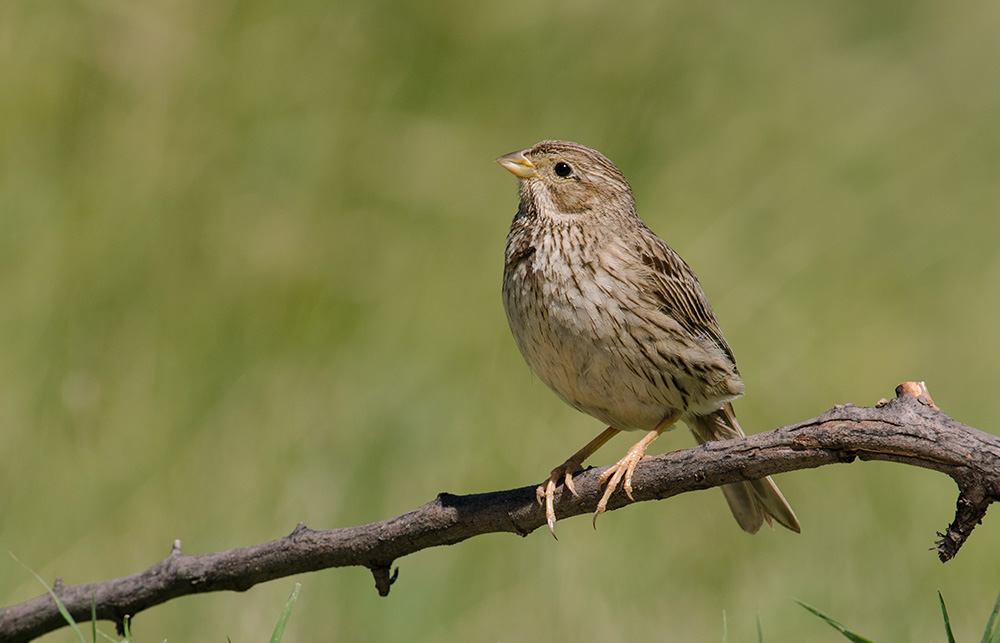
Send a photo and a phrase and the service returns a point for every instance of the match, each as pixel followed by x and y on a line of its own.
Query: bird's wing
pixel 674 287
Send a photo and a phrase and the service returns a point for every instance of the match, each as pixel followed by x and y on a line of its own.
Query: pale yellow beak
pixel 518 164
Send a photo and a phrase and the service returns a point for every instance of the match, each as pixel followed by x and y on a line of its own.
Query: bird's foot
pixel 624 468
pixel 545 493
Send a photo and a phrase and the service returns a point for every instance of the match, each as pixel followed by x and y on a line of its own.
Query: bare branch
pixel 909 430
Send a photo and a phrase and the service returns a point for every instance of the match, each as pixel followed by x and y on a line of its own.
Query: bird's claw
pixel 545 493
pixel 613 475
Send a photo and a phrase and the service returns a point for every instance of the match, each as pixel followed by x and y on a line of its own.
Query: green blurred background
pixel 250 260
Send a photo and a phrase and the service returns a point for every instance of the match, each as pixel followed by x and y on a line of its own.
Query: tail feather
pixel 752 502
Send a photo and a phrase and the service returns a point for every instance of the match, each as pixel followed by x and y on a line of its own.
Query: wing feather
pixel 674 287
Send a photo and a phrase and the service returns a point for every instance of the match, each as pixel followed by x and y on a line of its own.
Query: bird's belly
pixel 609 364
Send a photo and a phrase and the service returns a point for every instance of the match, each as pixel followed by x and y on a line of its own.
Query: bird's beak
pixel 518 164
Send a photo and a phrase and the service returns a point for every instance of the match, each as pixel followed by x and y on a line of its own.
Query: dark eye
pixel 563 169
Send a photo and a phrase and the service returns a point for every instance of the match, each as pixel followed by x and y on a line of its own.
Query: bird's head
pixel 564 179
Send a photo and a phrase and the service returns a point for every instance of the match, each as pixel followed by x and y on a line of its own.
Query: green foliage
pixel 992 634
pixel 849 635
pixel 286 613
pixel 947 621
pixel 59 604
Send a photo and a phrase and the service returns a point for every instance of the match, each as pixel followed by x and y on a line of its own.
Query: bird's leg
pixel 626 466
pixel 564 473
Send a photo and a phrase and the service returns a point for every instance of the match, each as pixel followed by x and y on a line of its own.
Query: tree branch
pixel 909 430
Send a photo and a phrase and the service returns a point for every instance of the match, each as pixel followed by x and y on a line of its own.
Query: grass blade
pixel 760 631
pixel 279 628
pixel 127 628
pixel 849 635
pixel 947 621
pixel 59 603
pixel 991 635
pixel 93 615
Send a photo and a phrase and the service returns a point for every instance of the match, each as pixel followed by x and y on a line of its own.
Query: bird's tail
pixel 754 501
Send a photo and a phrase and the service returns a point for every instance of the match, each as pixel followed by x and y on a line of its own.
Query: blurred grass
pixel 250 257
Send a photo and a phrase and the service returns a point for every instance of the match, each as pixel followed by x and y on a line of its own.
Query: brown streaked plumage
pixel 614 321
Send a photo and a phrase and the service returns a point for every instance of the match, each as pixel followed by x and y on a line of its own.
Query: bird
pixel 611 319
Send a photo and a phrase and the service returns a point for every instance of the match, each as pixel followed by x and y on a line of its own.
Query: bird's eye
pixel 563 169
